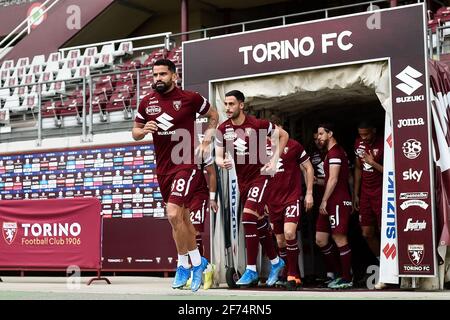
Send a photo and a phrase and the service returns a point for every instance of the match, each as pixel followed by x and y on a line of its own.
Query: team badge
pixel 176 104
pixel 415 253
pixel 9 231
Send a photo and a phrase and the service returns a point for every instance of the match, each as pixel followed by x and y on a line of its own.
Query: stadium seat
pixel 19 72
pixel 121 97
pixel 105 60
pixel 29 103
pixel 129 65
pixel 54 57
pixel 82 72
pixel 36 69
pixel 73 105
pixel 22 62
pixel 103 89
pixel 90 52
pixel 38 60
pixel 12 103
pixel 7 64
pixel 52 66
pixel 124 48
pixel 45 87
pixel 155 55
pixel 73 54
pixel 4 93
pixel 71 64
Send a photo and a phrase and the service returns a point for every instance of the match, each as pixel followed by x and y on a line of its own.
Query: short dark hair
pixel 365 124
pixel 237 94
pixel 276 120
pixel 165 62
pixel 328 126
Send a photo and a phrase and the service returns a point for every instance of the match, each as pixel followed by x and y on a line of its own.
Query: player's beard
pixel 161 86
pixel 235 114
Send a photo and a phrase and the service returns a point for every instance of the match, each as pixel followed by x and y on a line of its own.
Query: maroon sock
pixel 266 239
pixel 331 258
pixel 345 254
pixel 282 253
pixel 199 240
pixel 249 221
pixel 292 257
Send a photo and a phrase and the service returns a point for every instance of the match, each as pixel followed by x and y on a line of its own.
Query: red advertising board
pixel 54 233
pixel 398 37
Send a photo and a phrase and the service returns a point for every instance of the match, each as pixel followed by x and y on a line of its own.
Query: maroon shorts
pixel 337 219
pixel 370 210
pixel 197 211
pixel 178 188
pixel 278 216
pixel 254 194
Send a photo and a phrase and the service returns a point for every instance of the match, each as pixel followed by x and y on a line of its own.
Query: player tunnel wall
pixel 397 36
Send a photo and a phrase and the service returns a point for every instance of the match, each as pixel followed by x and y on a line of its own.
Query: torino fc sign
pixel 50 233
pixel 399 41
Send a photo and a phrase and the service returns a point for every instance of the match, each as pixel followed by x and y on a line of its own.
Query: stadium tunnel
pixel 344 95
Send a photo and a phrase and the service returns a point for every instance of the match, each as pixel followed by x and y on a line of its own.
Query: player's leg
pixel 327 248
pixel 368 223
pixel 291 220
pixel 339 218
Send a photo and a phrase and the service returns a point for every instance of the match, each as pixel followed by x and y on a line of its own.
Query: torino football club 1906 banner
pixel 55 233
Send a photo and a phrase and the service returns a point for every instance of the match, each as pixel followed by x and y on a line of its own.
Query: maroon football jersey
pixel 337 156
pixel 175 114
pixel 247 144
pixel 286 186
pixel 371 179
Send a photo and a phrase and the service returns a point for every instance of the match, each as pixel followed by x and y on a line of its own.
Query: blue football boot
pixel 274 272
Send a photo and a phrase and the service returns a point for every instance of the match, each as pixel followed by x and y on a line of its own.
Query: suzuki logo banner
pixel 53 233
pixel 400 40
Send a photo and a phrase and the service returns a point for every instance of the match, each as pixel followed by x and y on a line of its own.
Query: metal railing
pixel 84 118
pixel 244 26
pixel 26 25
pixel 164 35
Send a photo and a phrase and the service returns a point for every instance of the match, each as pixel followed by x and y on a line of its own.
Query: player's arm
pixel 329 188
pixel 213 120
pixel 369 159
pixel 140 130
pixel 308 173
pixel 222 160
pixel 212 177
pixel 356 184
pixel 279 139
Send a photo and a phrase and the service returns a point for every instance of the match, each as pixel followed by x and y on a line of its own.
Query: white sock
pixel 183 260
pixel 251 267
pixel 275 261
pixel 195 256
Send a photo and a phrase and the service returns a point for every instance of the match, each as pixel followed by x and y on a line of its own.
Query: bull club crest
pixel 375 152
pixel 286 149
pixel 176 104
pixel 9 231
pixel 415 253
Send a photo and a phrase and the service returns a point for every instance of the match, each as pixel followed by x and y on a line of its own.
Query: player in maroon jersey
pixel 243 139
pixel 169 114
pixel 335 208
pixel 368 184
pixel 283 203
pixel 201 205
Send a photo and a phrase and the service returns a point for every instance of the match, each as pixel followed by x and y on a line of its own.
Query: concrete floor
pixel 153 288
